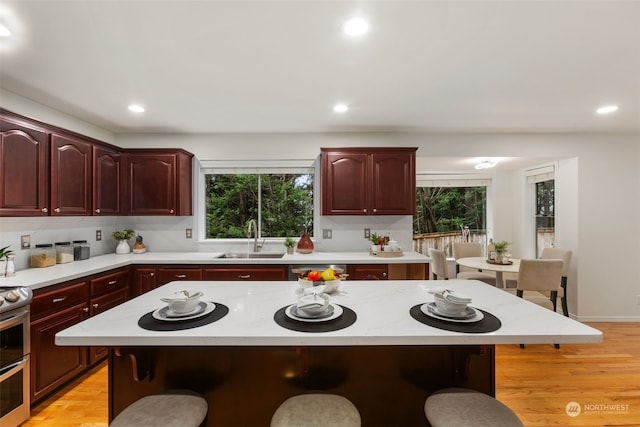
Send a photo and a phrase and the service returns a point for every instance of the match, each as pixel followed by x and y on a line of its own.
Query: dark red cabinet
pixel 71 177
pixel 107 181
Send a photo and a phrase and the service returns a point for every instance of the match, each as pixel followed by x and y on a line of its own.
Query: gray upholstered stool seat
pixel 316 410
pixel 173 408
pixel 459 407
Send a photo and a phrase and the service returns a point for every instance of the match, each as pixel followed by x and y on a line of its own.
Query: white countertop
pixel 40 277
pixel 382 308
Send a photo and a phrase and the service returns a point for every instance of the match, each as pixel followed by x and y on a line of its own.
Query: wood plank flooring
pixel 537 383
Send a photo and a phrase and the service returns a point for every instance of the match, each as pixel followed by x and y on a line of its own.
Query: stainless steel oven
pixel 15 349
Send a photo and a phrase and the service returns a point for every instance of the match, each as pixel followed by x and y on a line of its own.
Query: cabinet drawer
pixel 237 273
pixel 110 282
pixel 166 275
pixel 48 302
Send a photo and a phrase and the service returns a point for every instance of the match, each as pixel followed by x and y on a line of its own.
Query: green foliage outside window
pixel 447 209
pixel 285 202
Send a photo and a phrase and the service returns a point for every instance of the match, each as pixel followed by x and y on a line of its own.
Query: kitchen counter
pixel 41 277
pixel 382 309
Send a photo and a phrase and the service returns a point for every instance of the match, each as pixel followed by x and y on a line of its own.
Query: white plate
pixel 301 313
pixel 204 309
pixel 431 310
pixel 337 312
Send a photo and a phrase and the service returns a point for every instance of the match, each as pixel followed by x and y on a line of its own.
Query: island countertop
pixel 382 309
pixel 40 277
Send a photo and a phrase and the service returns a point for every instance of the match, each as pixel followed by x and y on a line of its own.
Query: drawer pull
pixel 57 210
pixel 56 300
pixel 244 276
pixel 113 282
pixel 181 276
pixel 45 210
pixel 171 211
pixel 97 211
pixel 151 274
pixel 86 309
pixel 95 305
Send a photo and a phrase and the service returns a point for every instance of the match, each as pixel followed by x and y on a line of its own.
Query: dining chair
pixel 565 256
pixel 439 267
pixel 539 276
pixel 172 408
pixel 468 250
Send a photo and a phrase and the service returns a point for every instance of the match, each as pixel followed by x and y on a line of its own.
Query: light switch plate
pixel 25 242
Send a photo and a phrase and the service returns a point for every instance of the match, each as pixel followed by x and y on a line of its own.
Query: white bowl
pixel 326 287
pixel 313 303
pixel 183 301
pixel 448 307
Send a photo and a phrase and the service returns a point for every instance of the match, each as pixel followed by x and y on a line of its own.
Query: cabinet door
pixel 71 178
pixel 245 272
pixel 107 181
pixel 368 271
pixel 170 274
pixel 97 306
pixel 393 189
pixel 345 183
pixel 144 280
pixel 24 171
pixel 110 282
pixel 151 184
pixel 52 365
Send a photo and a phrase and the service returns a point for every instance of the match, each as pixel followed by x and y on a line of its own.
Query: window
pixel 280 200
pixel 545 215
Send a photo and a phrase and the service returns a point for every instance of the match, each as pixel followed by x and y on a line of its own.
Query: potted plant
pixel 289 243
pixel 501 249
pixel 122 237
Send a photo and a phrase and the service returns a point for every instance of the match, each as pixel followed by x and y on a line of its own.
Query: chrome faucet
pixel 255 235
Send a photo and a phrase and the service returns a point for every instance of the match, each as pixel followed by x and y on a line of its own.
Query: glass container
pixel 64 252
pixel 43 255
pixel 81 250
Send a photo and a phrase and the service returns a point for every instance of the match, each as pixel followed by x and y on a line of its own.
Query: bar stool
pixel 460 407
pixel 316 410
pixel 173 408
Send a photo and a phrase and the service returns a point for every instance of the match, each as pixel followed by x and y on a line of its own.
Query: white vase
pixel 123 247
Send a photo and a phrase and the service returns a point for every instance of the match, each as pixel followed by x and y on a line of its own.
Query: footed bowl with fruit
pixel 322 286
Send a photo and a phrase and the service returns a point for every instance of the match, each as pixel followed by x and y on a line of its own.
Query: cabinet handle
pixel 56 300
pixel 57 210
pixel 45 210
pixel 375 210
pixel 180 276
pixel 171 211
pixel 95 305
pixel 97 210
pixel 384 274
pixel 113 282
pixel 86 309
pixel 151 274
pixel 244 276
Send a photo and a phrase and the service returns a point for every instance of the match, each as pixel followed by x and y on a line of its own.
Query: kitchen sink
pixel 250 255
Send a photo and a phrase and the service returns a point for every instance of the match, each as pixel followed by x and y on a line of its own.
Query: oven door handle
pixel 12 369
pixel 13 320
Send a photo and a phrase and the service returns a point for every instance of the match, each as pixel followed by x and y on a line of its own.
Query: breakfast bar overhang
pixel 385 360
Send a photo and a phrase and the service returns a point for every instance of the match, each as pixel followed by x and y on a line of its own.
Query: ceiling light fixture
pixel 484 164
pixel 4 31
pixel 355 27
pixel 340 108
pixel 136 108
pixel 607 109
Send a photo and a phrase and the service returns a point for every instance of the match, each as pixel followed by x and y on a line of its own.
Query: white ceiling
pixel 279 66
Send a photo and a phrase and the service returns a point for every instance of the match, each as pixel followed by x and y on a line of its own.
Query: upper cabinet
pixel 108 172
pixel 24 169
pixel 368 181
pixel 159 182
pixel 71 177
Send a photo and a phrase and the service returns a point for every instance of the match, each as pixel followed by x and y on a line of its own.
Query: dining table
pixel 380 347
pixel 482 263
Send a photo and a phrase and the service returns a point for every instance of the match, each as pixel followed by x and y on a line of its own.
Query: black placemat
pixel 489 323
pixel 347 319
pixel 150 323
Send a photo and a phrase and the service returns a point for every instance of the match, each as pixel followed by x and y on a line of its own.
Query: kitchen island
pixel 246 364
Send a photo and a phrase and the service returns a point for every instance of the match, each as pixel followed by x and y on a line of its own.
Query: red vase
pixel 305 245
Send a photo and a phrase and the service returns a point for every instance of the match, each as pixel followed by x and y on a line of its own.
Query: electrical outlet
pixel 189 233
pixel 367 233
pixel 98 235
pixel 25 242
pixel 326 234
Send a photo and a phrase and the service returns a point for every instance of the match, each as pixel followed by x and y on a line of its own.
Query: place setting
pixel 452 312
pixel 313 311
pixel 183 310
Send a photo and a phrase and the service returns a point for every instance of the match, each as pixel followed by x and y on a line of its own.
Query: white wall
pixel 598 207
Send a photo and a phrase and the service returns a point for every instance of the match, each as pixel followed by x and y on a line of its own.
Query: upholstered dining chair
pixel 439 267
pixel 468 250
pixel 565 256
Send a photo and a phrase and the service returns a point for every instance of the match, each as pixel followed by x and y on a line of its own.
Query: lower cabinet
pixel 368 271
pixel 172 274
pixel 144 280
pixel 246 272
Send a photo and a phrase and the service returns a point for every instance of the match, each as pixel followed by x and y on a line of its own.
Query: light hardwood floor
pixel 537 383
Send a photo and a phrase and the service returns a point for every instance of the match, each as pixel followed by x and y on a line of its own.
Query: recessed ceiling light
pixel 484 164
pixel 340 108
pixel 606 109
pixel 356 27
pixel 136 108
pixel 4 31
